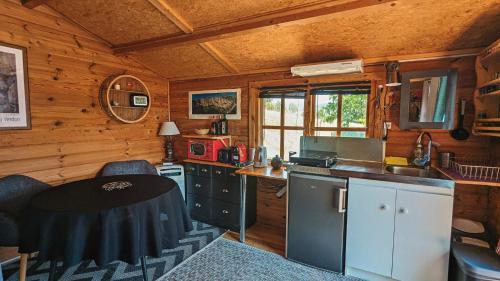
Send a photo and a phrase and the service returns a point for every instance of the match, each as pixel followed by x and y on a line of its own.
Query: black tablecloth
pixel 81 220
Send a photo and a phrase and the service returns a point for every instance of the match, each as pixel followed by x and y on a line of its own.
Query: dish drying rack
pixel 476 169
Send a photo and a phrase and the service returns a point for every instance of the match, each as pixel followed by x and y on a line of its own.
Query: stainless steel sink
pixel 413 171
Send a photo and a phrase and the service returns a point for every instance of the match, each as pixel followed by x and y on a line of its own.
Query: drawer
pixel 199 208
pixel 204 170
pixel 219 172
pixel 226 191
pixel 226 215
pixel 198 185
pixel 232 177
pixel 191 169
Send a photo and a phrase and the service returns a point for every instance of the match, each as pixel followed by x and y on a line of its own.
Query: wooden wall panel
pixel 470 201
pixel 402 142
pixel 71 137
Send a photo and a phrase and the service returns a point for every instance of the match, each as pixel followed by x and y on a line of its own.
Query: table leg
pixel 23 265
pixel 144 268
pixel 243 207
pixel 52 272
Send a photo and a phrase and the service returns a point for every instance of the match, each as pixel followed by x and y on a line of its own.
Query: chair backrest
pixel 16 192
pixel 133 167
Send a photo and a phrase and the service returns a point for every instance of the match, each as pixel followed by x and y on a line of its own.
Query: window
pixel 287 113
pixel 283 120
pixel 341 110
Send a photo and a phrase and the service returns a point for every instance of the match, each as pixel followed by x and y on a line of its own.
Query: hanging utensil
pixel 460 133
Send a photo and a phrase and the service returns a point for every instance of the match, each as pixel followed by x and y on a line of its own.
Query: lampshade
pixel 168 129
pixel 393 75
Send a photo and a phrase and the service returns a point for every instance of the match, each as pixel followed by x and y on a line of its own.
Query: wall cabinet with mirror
pixel 428 99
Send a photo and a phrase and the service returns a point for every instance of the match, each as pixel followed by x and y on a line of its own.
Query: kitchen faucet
pixel 420 159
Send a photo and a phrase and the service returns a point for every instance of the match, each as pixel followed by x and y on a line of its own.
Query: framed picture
pixel 139 100
pixel 206 104
pixel 14 93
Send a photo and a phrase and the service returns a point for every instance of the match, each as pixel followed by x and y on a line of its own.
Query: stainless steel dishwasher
pixel 316 219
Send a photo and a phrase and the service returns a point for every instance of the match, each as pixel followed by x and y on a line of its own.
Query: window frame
pixel 338 129
pixel 280 127
pixel 375 112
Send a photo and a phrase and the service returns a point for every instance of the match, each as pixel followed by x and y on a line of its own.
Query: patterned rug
pixel 200 237
pixel 229 260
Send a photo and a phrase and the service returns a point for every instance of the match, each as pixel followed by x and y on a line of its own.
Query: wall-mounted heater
pixel 328 68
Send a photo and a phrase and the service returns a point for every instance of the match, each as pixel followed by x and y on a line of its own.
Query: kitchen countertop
pixel 357 169
pixel 265 172
pixel 377 171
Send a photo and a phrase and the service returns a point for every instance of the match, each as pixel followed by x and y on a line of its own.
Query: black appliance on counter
pixel 231 155
pixel 224 155
pixel 322 159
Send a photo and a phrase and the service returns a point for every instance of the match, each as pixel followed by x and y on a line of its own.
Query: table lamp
pixel 169 129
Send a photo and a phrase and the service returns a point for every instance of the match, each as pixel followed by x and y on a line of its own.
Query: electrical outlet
pixel 388 125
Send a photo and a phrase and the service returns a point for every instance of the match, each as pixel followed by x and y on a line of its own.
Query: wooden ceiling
pixel 203 38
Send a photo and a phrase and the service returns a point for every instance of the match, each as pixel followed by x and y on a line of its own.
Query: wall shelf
pixel 458 180
pixel 490 83
pixel 486 120
pixel 125 111
pixel 492 94
pixel 487 68
pixel 222 138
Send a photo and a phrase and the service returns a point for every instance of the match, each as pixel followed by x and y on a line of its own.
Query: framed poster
pixel 206 104
pixel 14 94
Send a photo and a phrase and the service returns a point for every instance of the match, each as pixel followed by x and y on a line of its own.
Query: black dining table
pixel 126 218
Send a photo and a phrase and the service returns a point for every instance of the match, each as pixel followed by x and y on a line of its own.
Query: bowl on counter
pixel 201 131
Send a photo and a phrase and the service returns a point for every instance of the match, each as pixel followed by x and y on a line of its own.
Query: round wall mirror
pixel 125 98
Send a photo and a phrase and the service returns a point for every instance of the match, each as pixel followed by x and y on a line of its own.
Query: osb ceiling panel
pixel 207 12
pixel 409 27
pixel 117 21
pixel 180 61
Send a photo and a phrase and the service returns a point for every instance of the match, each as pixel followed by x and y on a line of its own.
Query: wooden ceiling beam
pixel 32 3
pixel 169 12
pixel 219 57
pixel 215 32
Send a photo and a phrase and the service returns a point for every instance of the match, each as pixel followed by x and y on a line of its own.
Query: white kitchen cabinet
pixel 422 236
pixel 398 231
pixel 370 218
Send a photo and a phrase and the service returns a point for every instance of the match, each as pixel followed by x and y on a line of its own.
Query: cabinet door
pixel 422 236
pixel 370 228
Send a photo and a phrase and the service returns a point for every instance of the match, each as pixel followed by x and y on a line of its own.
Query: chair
pixel 133 167
pixel 15 194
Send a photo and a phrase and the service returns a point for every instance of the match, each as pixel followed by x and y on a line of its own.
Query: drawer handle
pixel 218 172
pixel 204 170
pixel 225 212
pixel 197 185
pixel 403 211
pixel 225 190
pixel 384 207
pixel 191 169
pixel 232 174
pixel 198 205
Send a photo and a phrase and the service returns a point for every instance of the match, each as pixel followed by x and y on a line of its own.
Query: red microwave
pixel 204 149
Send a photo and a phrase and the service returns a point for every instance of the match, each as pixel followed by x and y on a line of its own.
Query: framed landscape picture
pixel 207 104
pixel 14 99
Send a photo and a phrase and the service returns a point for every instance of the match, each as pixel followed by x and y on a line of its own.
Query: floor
pixel 198 238
pixel 264 237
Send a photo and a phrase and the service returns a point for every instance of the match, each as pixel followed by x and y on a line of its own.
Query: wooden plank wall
pixel 71 137
pixel 470 201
